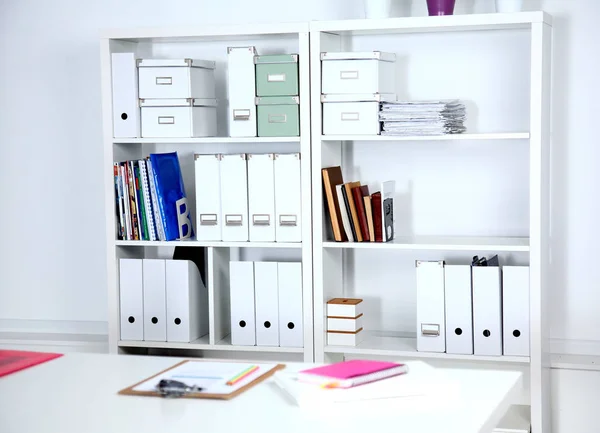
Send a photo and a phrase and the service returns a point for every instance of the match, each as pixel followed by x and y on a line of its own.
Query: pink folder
pixel 12 361
pixel 351 373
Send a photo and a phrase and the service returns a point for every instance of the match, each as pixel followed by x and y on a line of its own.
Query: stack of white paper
pixel 422 117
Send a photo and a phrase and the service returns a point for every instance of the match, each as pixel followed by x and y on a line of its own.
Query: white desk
pixel 78 394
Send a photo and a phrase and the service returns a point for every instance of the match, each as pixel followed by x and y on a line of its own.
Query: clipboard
pixel 218 396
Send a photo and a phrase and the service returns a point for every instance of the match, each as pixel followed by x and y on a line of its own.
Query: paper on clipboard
pixel 212 377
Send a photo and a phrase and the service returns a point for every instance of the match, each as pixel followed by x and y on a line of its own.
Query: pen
pixel 235 379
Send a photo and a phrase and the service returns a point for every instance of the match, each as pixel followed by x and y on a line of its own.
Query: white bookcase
pixel 210 43
pixel 483 192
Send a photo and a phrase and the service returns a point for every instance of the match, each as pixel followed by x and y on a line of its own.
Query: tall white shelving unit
pixel 483 192
pixel 210 43
pixel 452 192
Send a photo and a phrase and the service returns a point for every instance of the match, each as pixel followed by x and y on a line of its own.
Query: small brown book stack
pixel 355 214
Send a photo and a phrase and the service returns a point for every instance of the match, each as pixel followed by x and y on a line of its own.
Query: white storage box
pixel 179 117
pixel 353 114
pixel 344 338
pixel 344 324
pixel 361 72
pixel 344 307
pixel 176 79
pixel 241 83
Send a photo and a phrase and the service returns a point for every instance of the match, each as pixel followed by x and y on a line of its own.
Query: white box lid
pixel 178 102
pixel 359 55
pixel 358 97
pixel 184 63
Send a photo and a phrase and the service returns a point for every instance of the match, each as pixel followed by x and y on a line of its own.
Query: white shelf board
pixel 440 243
pixel 575 362
pixel 375 344
pixel 229 32
pixel 490 21
pixel 207 140
pixel 202 344
pixel 447 137
pixel 225 344
pixel 199 344
pixel 218 244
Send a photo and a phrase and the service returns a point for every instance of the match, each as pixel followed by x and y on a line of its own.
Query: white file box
pixel 241 83
pixel 126 111
pixel 208 197
pixel 288 198
pixel 266 300
pixel 351 118
pixel 487 311
pixel 459 309
pixel 172 118
pixel 345 338
pixel 515 310
pixel 241 286
pixel 155 300
pixel 349 308
pixel 431 329
pixel 234 197
pixel 176 78
pixel 359 72
pixel 131 297
pixel 289 278
pixel 344 324
pixel 261 198
pixel 187 302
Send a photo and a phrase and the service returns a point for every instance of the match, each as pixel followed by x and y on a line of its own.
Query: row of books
pixel 355 214
pixel 150 200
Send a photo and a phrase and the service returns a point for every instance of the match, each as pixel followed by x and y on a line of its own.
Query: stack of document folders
pixel 480 309
pixel 422 117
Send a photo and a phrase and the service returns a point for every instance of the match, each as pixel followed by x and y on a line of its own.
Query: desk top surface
pixel 78 393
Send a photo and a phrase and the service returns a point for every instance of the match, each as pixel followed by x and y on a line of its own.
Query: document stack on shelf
pixel 422 117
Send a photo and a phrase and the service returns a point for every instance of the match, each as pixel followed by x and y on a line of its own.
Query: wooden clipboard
pixel 130 390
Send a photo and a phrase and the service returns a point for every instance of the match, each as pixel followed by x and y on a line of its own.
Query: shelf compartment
pixel 203 344
pixel 378 344
pixel 216 244
pixel 440 243
pixel 207 140
pixel 447 137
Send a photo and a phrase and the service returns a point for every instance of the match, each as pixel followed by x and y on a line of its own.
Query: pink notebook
pixel 351 373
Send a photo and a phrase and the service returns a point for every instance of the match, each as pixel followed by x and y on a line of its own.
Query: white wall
pixel 52 247
pixel 52 250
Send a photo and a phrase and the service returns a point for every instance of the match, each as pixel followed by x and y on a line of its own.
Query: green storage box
pixel 277 75
pixel 278 116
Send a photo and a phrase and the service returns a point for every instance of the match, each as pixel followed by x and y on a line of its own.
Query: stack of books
pixel 355 214
pixel 422 117
pixel 150 200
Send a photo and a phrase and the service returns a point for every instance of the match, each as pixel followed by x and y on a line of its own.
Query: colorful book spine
pixel 140 201
pixel 118 206
pixel 377 216
pixel 357 194
pixel 132 203
pixel 149 212
pixel 159 223
pixel 126 202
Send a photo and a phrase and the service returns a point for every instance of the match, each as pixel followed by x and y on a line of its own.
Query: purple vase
pixel 440 7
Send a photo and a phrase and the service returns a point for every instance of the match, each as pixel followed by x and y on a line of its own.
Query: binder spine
pixel 125 190
pixel 147 201
pixel 157 214
pixel 139 201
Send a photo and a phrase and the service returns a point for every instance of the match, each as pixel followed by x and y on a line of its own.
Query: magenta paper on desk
pixel 350 369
